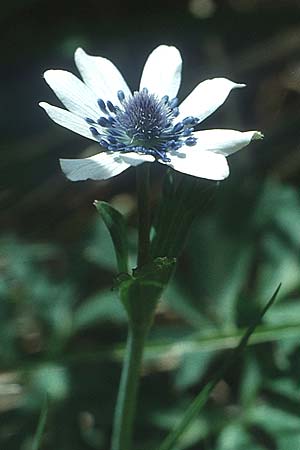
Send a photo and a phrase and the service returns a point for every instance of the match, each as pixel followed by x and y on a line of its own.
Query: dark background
pixel 59 318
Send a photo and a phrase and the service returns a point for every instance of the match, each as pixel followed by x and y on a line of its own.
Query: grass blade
pixel 41 425
pixel 201 399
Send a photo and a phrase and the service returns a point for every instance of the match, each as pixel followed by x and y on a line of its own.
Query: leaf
pixel 273 419
pixel 117 229
pixel 102 307
pixel 182 200
pixel 235 437
pixel 140 293
pixel 278 261
pixel 192 368
pixel 41 425
pixel 177 298
pixel 251 380
pixel 202 397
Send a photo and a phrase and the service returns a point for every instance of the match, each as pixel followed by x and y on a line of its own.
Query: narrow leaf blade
pixel 116 226
pixel 41 425
pixel 201 399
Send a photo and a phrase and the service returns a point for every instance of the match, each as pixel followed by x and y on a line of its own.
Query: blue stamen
pixel 163 156
pixel 90 121
pixel 143 124
pixel 104 122
pixel 111 107
pixel 173 103
pixel 187 131
pixel 178 127
pixel 190 141
pixel 121 96
pixel 175 111
pixel 190 120
pixel 102 105
pixel 94 132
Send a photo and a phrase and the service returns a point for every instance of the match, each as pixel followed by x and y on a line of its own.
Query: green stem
pixel 143 180
pixel 126 401
pixel 127 395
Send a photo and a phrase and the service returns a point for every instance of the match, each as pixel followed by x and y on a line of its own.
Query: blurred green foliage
pixel 62 329
pixel 57 338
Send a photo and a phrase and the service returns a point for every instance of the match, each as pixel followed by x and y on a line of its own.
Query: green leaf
pixel 202 397
pixel 102 307
pixel 192 368
pixel 117 229
pixel 219 265
pixel 140 293
pixel 41 425
pixel 251 380
pixel 182 200
pixel 273 419
pixel 99 249
pixel 234 437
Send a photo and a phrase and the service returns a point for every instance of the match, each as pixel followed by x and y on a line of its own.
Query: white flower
pixel 145 126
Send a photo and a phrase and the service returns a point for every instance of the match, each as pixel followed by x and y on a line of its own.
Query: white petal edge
pixel 135 159
pixel 162 72
pixel 206 98
pixel 225 142
pixel 101 76
pixel 68 120
pixel 101 166
pixel 73 93
pixel 201 164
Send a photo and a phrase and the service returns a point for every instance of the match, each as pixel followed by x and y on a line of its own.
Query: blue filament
pixel 142 124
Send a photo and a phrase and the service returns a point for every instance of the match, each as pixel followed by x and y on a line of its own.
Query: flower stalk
pixel 138 329
pixel 127 396
pixel 143 185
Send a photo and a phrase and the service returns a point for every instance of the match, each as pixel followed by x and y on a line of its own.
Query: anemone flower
pixel 147 125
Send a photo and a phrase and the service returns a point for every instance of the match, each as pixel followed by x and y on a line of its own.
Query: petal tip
pixel 239 85
pixel 226 173
pixel 167 47
pixel 79 53
pixel 257 135
pixel 223 174
pixel 46 74
pixel 50 75
pixel 66 167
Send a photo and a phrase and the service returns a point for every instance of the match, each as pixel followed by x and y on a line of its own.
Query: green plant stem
pixel 127 395
pixel 143 184
pixel 126 401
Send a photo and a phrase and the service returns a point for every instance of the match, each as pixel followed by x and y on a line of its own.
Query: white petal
pixel 162 72
pixel 73 93
pixel 101 76
pixel 199 163
pixel 134 159
pixel 225 142
pixel 101 166
pixel 206 98
pixel 68 120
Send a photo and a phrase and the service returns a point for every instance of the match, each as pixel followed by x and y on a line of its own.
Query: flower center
pixel 143 124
